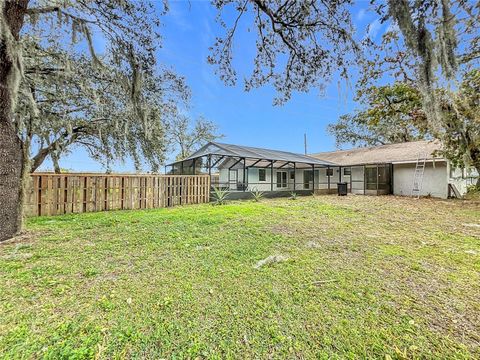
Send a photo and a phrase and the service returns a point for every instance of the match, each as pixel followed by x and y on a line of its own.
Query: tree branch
pixel 43 10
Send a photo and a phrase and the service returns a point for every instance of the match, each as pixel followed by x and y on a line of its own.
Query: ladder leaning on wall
pixel 418 175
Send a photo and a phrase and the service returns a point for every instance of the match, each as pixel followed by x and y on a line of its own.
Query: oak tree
pixel 186 136
pixel 389 114
pixel 82 105
pixel 130 29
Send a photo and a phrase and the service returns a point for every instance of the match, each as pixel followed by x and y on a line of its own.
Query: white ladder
pixel 418 175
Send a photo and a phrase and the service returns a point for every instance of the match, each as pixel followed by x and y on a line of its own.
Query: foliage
pixel 178 282
pixel 298 44
pixel 390 114
pixel 473 192
pixel 257 195
pixel 460 127
pixel 220 196
pixel 394 113
pixel 293 195
pixel 473 189
pixel 88 106
pixel 130 30
pixel 187 137
pixel 436 35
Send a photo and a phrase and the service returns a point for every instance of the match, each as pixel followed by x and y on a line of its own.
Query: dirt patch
pixel 26 237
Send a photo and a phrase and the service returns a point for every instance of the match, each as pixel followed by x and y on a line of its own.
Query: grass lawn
pixel 359 277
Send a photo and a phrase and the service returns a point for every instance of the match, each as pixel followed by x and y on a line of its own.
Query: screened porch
pixel 245 169
pixel 242 169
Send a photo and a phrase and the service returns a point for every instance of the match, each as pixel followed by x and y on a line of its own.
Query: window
pixel 262 175
pixel 292 175
pixel 347 171
pixel 281 179
pixel 329 172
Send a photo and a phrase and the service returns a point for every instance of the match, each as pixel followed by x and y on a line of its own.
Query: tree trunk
pixel 56 165
pixel 12 165
pixel 38 159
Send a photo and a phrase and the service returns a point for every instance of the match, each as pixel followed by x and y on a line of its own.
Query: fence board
pixel 55 194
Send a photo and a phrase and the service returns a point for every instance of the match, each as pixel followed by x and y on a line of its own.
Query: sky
pixel 244 118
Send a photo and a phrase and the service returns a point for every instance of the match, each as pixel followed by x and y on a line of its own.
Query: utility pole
pixel 305 142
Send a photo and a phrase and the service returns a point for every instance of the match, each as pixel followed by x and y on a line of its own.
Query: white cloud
pixel 177 15
pixel 373 28
pixel 361 14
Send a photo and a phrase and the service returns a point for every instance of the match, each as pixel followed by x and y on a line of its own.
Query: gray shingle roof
pixel 392 153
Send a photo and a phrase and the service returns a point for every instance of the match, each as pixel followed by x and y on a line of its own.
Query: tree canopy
pixel 299 44
pixel 460 130
pixel 389 114
pixel 185 136
pixel 395 113
pixel 440 39
pixel 131 33
pixel 81 104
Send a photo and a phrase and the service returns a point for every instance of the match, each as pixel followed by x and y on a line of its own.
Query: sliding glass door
pixel 377 179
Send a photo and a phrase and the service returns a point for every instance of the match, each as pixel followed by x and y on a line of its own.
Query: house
pixel 387 169
pixel 242 169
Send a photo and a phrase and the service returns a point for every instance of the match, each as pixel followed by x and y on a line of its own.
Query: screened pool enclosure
pixel 242 169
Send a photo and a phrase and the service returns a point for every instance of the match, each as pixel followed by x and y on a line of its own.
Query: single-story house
pixel 242 169
pixel 437 177
pixel 387 169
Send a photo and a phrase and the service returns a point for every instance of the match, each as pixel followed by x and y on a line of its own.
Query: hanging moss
pixel 430 51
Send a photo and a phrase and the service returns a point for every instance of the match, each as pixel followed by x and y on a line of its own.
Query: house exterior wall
pixel 357 180
pixel 321 179
pixel 435 179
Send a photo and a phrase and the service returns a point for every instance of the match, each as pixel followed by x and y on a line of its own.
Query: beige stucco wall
pixel 435 179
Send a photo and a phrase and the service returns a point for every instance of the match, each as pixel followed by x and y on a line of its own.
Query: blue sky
pixel 247 118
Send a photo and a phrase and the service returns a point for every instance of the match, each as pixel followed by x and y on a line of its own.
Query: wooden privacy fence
pixel 55 194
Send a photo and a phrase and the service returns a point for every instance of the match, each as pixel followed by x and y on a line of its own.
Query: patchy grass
pixel 359 277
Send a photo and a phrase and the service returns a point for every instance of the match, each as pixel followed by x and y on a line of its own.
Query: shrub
pixel 293 195
pixel 257 195
pixel 473 189
pixel 473 192
pixel 220 196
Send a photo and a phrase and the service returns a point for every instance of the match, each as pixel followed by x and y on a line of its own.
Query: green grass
pixel 365 277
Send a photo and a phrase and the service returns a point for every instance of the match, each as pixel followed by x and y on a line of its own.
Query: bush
pixel 293 195
pixel 473 189
pixel 473 192
pixel 257 195
pixel 220 196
